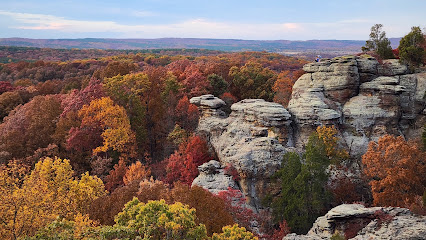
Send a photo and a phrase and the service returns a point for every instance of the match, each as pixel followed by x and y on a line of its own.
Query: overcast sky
pixel 257 20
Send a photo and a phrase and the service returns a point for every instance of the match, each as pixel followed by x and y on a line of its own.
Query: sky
pixel 220 19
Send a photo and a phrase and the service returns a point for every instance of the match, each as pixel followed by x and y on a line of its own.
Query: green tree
pixel 303 195
pixel 219 85
pixel 378 42
pixel 252 81
pixel 410 47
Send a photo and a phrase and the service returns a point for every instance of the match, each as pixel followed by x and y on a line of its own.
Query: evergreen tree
pixel 378 42
pixel 303 195
pixel 410 47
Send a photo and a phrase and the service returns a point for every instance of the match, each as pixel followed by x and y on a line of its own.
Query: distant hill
pixel 198 43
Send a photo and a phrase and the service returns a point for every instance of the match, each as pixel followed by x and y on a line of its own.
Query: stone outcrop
pixel 251 139
pixel 362 98
pixel 214 178
pixel 358 222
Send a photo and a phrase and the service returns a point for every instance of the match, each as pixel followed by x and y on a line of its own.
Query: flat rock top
pixel 208 101
pixel 262 109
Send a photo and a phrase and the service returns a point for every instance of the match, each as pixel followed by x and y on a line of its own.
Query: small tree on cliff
pixel 378 43
pixel 411 47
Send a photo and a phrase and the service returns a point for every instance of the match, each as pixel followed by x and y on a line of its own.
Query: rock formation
pixel 214 178
pixel 363 98
pixel 251 139
pixel 354 221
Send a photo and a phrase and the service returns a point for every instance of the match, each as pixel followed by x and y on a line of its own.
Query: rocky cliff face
pixel 362 98
pixel 251 139
pixel 354 221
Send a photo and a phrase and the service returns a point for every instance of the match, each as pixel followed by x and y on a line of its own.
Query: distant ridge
pixel 200 43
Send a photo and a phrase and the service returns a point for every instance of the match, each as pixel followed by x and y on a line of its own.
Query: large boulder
pixel 355 221
pixel 214 178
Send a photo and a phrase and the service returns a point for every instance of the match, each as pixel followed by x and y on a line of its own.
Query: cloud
pixel 197 28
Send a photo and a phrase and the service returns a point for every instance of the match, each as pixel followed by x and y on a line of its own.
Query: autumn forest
pixel 102 144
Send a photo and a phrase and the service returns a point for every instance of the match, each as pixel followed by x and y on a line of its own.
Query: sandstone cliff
pixel 362 98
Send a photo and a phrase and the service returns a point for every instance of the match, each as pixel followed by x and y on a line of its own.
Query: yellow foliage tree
pixel 234 233
pixel 32 201
pixel 117 134
pixel 329 136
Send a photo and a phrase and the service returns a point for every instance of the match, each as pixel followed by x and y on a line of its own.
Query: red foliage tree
pixel 182 165
pixel 5 87
pixel 235 203
pixel 115 177
pixel 186 114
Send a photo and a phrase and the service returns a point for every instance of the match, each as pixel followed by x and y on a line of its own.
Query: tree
pixel 182 165
pixel 8 101
pixel 128 92
pixel 186 114
pixel 396 169
pixel 328 135
pixel 235 204
pixel 378 42
pixel 411 47
pixel 136 172
pixel 158 220
pixel 252 81
pixel 205 204
pixel 30 126
pixel 219 85
pixel 115 177
pixel 47 192
pixel 234 233
pixel 284 85
pixel 304 195
pixel 116 132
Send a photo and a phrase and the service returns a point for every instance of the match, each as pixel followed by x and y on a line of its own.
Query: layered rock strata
pixel 251 139
pixel 354 221
pixel 362 98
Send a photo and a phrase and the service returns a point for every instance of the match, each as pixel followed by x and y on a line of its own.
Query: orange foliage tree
pixel 396 169
pixel 136 172
pixel 116 132
pixel 284 85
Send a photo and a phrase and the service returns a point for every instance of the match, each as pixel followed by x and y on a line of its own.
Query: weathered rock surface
pixel 209 104
pixel 252 140
pixel 362 98
pixel 213 178
pixel 359 222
